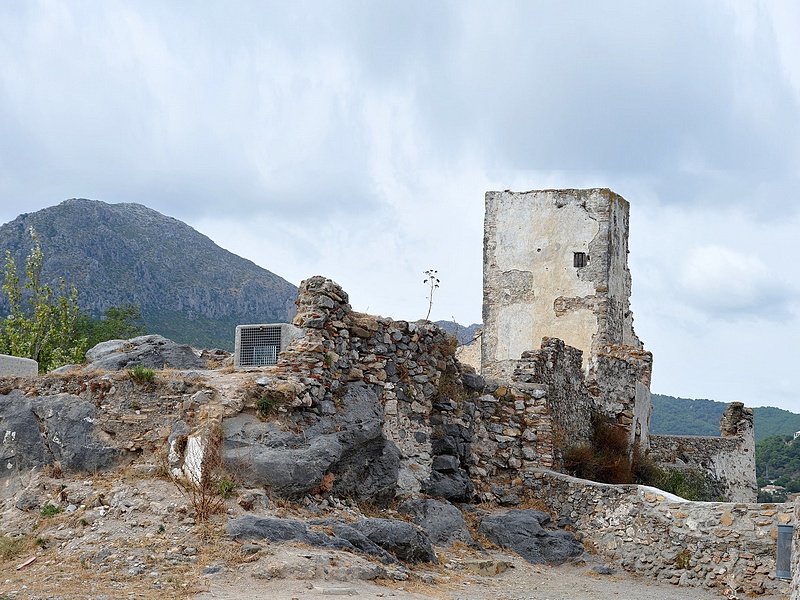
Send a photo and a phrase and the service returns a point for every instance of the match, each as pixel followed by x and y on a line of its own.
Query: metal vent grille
pixel 259 345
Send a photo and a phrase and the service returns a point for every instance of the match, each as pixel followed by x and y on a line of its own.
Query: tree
pixel 41 322
pixel 118 322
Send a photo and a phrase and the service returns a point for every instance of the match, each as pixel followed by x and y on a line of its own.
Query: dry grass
pixel 415 585
pixel 67 576
pixel 12 548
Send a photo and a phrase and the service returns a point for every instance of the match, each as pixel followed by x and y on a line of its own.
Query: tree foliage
pixel 117 323
pixel 41 321
pixel 46 324
pixel 778 462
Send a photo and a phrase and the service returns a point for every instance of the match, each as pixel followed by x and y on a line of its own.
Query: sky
pixel 356 140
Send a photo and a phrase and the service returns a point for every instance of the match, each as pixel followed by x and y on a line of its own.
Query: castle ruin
pixel 558 323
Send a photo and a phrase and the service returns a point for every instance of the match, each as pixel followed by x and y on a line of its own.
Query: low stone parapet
pixel 14 365
pixel 696 544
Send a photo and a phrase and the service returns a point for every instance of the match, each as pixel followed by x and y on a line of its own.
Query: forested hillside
pixel 683 416
pixel 778 462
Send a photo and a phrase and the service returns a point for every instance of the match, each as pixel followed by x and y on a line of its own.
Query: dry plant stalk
pixel 203 477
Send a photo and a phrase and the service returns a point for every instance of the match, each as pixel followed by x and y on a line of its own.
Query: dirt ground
pixel 132 536
pixel 521 581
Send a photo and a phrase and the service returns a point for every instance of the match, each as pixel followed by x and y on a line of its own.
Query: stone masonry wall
pixel 619 381
pixel 547 407
pixel 556 368
pixel 728 460
pixel 405 363
pixel 701 544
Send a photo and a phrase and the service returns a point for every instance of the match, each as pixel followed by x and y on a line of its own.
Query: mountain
pixel 186 287
pixel 465 334
pixel 683 416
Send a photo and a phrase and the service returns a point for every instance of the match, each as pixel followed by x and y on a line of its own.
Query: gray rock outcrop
pixel 442 522
pixel 404 540
pixel 42 430
pixel 150 351
pixel 349 444
pixel 522 531
pixel 386 539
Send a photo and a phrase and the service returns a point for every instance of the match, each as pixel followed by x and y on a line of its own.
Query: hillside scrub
pixel 608 458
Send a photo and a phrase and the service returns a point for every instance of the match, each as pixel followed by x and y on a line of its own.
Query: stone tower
pixel 555 264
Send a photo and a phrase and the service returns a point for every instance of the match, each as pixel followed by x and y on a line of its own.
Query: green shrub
pixel 266 405
pixel 226 487
pixel 141 375
pixel 690 484
pixel 50 510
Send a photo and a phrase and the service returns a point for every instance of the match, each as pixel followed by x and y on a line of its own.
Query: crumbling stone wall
pixel 619 382
pixel 555 264
pixel 555 370
pixel 729 461
pixel 698 544
pixel 406 364
pixel 547 408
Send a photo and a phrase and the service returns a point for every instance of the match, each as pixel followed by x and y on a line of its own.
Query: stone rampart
pixel 407 365
pixel 644 530
pixel 548 408
pixel 619 382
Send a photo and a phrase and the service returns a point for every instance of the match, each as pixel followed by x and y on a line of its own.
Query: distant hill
pixel 683 416
pixel 465 333
pixel 186 287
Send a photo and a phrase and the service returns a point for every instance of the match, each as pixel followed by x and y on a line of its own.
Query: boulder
pixel 42 430
pixel 281 530
pixel 454 486
pixel 350 445
pixel 404 540
pixel 442 522
pixel 358 539
pixel 150 351
pixel 522 532
pixel 376 537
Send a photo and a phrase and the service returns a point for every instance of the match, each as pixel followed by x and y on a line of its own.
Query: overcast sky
pixel 356 140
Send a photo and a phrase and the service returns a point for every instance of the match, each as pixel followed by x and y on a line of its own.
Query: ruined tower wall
pixel 532 286
pixel 729 461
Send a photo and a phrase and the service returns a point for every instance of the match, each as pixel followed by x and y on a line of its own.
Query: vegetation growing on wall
pixel 608 458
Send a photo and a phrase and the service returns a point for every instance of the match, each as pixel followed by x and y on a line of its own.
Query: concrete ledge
pixel 14 365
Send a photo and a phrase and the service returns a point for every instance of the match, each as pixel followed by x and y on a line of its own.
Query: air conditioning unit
pixel 259 345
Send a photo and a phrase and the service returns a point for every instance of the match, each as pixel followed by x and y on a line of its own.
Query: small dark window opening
pixel 580 259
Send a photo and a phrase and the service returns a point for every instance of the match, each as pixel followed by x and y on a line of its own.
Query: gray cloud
pixel 363 135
